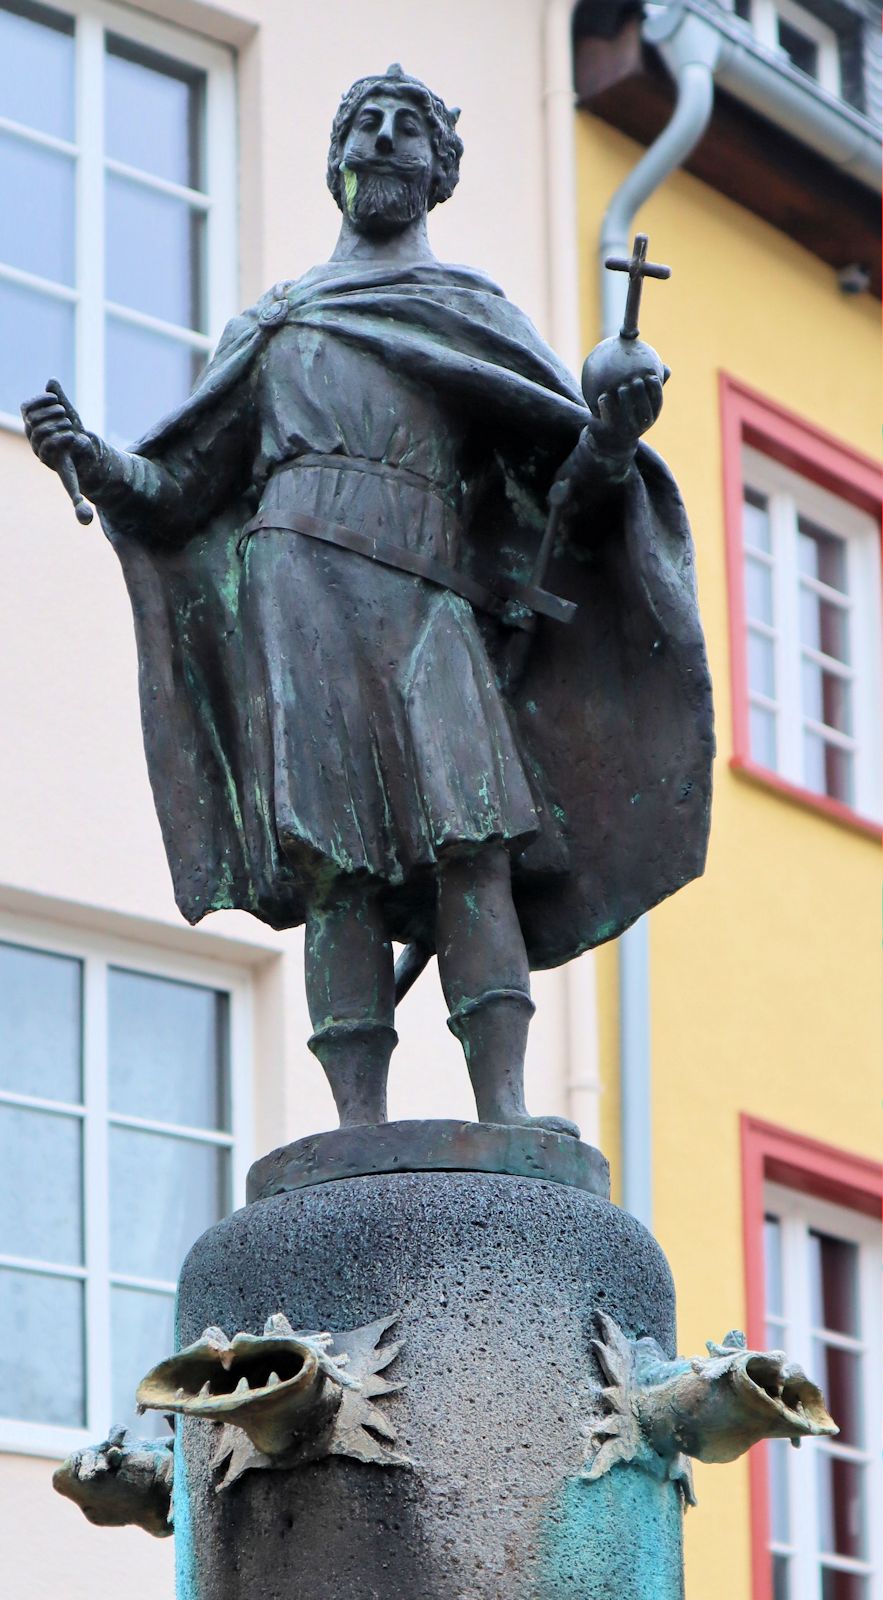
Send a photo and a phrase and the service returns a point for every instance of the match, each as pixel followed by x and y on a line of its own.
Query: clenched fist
pixel 58 438
pixel 53 428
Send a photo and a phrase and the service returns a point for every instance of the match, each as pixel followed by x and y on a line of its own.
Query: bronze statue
pixel 383 692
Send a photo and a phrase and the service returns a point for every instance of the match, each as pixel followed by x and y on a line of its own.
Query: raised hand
pixel 605 449
pixel 627 411
pixel 58 438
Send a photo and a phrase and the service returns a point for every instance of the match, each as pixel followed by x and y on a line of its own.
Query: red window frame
pixel 776 1155
pixel 749 418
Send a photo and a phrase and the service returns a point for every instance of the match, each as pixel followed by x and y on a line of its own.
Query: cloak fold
pixel 613 711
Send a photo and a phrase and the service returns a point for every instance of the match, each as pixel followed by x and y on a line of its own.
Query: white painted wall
pixel 79 839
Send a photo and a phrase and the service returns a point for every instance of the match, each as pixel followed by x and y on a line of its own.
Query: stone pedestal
pixel 495 1278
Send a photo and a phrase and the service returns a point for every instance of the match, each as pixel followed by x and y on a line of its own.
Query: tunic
pixel 376 711
pixel 308 712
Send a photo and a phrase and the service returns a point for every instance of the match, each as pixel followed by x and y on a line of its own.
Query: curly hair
pixel 441 119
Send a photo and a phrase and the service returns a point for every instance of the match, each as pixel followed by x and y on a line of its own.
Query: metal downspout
pixel 691 55
pixel 582 1085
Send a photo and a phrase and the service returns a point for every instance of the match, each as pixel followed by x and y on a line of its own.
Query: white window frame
pixel 765 16
pixel 92 19
pixel 798 1214
pixel 789 495
pixel 97 954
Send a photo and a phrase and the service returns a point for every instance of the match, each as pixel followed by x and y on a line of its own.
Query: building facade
pixel 166 165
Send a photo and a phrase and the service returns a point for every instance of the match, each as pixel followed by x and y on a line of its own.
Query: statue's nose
pixel 383 143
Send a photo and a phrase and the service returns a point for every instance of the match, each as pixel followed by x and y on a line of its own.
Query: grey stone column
pixel 495 1278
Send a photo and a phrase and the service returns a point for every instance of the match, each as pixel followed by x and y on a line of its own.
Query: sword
pixel 599 372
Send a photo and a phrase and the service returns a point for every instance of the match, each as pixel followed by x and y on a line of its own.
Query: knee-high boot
pixel 355 1058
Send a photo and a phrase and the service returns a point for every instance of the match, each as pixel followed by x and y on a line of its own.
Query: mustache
pixel 385 166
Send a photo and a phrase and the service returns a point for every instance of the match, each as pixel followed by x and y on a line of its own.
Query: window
pixel 813 651
pixel 812 1246
pixel 121 1140
pixel 804 563
pixel 799 36
pixel 822 1300
pixel 116 233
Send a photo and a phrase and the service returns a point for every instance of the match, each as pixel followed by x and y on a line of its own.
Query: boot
pixel 493 1032
pixel 355 1059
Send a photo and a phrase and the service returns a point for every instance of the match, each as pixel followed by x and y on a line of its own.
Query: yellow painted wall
pixel 765 972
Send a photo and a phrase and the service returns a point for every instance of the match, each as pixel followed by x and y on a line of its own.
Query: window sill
pixel 763 778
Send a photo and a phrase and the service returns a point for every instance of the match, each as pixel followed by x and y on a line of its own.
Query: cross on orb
pixel 638 268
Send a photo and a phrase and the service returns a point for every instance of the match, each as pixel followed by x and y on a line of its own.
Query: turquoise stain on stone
pixel 187 1586
pixel 186 1566
pixel 618 1538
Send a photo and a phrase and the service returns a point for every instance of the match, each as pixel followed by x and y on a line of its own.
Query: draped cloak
pixel 596 759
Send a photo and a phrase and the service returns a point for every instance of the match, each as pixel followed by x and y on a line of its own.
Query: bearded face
pixel 388 165
pixel 381 199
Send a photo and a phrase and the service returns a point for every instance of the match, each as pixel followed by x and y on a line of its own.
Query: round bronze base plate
pixel 436 1146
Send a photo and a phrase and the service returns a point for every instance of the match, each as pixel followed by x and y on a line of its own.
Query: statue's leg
pixel 485 976
pixel 351 997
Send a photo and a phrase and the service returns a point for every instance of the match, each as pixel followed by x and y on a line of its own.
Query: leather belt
pixel 511 601
pixel 394 473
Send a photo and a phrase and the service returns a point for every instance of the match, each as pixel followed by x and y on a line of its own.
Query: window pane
pixel 756 521
pixel 41 1186
pixel 841 1489
pixel 187 1186
pixel 833 1268
pixel 147 375
pixel 42 1349
pixel 838 1374
pixel 37 340
pixel 843 1585
pixel 758 590
pixel 153 114
pixel 772 1256
pixel 142 1334
pixel 780 1522
pixel 827 697
pixel 762 735
pixel 37 214
pixel 154 253
pixel 168 1051
pixel 827 769
pixel 822 555
pixel 824 625
pixel 761 664
pixel 37 82
pixel 802 51
pixel 40 1030
pixel 781 1578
